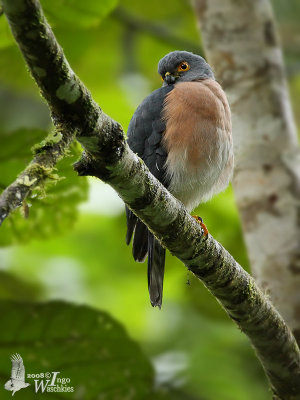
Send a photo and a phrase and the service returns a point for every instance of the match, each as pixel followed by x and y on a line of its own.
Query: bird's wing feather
pixel 145 131
pixel 144 137
pixel 18 369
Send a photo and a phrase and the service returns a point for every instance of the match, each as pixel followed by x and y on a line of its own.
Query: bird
pixel 17 380
pixel 183 133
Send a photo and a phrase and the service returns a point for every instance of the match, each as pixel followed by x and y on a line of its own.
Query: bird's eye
pixel 184 66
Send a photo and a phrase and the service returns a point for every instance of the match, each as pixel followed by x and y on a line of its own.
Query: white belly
pixel 193 185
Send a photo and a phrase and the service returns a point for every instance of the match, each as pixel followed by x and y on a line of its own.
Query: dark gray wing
pixel 144 137
pixel 145 132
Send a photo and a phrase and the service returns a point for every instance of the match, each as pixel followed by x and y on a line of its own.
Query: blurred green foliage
pixel 89 339
pixel 198 353
pixel 79 15
pixel 52 207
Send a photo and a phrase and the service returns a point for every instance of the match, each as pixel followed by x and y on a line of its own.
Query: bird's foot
pixel 202 224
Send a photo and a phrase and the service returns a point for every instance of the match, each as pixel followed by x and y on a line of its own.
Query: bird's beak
pixel 169 78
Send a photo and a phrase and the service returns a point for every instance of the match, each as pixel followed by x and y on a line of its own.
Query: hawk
pixel 182 131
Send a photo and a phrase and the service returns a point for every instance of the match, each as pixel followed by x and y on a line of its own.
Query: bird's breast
pixel 198 140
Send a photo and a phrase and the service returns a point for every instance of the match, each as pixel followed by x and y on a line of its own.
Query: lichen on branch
pixel 47 154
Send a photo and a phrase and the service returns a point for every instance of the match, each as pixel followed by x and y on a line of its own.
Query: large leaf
pixel 13 287
pixel 6 38
pixel 52 208
pixel 82 14
pixel 84 345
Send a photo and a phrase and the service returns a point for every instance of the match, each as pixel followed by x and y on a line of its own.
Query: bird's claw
pixel 202 224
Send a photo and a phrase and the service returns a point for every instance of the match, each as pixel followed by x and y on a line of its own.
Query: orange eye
pixel 184 66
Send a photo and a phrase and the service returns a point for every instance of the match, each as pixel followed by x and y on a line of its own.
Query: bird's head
pixel 183 66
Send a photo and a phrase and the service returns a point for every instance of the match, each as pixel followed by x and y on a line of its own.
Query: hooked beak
pixel 169 78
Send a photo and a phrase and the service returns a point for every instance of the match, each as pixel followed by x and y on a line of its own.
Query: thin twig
pixel 138 23
pixel 47 154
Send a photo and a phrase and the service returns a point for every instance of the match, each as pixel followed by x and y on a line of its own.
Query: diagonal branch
pixel 108 157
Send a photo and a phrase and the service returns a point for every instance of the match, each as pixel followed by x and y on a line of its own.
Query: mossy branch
pixel 108 157
pixel 47 154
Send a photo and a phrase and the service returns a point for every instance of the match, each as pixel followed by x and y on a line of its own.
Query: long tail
pixel 144 242
pixel 156 270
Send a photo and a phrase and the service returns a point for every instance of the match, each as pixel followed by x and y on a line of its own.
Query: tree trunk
pixel 242 45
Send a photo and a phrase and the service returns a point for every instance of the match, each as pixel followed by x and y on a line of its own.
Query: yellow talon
pixel 202 224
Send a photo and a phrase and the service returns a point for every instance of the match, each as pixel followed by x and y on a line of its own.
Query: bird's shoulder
pixel 147 120
pixel 145 132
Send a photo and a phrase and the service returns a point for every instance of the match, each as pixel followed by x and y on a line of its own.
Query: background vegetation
pixel 68 242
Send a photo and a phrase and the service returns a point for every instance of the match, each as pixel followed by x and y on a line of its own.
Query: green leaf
pixel 86 346
pixel 82 14
pixel 6 38
pixel 53 207
pixel 13 287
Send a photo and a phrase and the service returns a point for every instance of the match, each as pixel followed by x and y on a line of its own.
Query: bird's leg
pixel 202 224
